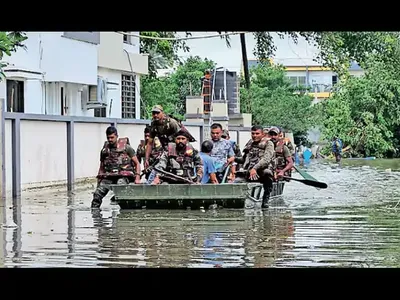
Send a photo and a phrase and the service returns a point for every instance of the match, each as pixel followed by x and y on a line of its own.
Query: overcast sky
pixel 288 53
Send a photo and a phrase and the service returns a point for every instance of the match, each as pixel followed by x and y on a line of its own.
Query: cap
pixel 157 108
pixel 182 133
pixel 274 129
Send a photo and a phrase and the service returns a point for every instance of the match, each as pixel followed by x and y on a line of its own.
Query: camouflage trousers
pixel 265 178
pixel 103 189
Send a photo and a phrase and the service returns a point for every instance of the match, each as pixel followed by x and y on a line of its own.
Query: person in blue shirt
pixel 209 170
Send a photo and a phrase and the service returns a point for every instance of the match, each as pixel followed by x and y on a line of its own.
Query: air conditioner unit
pixel 97 95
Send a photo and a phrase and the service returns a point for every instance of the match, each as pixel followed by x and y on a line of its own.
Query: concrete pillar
pixel 2 153
pixel 2 182
pixel 2 235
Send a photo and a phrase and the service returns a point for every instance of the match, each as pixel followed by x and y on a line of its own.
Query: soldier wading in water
pixel 118 165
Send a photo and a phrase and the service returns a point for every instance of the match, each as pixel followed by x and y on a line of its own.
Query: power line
pixel 180 38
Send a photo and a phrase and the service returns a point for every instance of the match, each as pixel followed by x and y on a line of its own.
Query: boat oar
pixel 314 183
pixel 173 175
pixel 304 174
pixel 227 169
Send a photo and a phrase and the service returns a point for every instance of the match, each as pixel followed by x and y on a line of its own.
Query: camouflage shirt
pixel 170 163
pixel 258 155
pixel 141 152
pixel 221 151
pixel 164 130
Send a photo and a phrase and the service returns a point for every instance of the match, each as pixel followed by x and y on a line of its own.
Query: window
pixel 301 80
pixel 297 80
pixel 334 79
pixel 15 96
pixel 127 38
pixel 128 96
pixel 100 112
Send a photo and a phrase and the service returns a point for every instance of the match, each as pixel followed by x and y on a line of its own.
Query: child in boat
pixel 209 169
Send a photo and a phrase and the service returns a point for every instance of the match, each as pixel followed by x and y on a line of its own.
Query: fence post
pixel 201 135
pixel 16 156
pixel 3 187
pixel 70 155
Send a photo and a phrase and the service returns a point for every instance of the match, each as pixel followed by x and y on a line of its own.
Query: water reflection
pixel 349 224
pixel 228 238
pixel 3 240
pixel 17 234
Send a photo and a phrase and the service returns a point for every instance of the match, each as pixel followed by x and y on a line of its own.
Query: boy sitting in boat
pixel 209 170
pixel 181 163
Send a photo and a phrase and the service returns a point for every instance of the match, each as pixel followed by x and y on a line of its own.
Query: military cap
pixel 182 133
pixel 157 108
pixel 274 129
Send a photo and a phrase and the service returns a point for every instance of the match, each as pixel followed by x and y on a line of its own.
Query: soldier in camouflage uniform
pixel 266 135
pixel 287 141
pixel 236 149
pixel 258 161
pixel 180 159
pixel 156 152
pixel 222 153
pixel 118 165
pixel 164 127
pixel 284 159
pixel 141 149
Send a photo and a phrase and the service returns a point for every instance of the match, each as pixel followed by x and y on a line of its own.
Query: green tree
pixel 162 53
pixel 365 111
pixel 9 42
pixel 272 100
pixel 188 77
pixel 336 49
pixel 171 91
pixel 162 91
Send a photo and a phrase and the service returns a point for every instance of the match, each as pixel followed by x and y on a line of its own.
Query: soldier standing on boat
pixel 181 160
pixel 284 159
pixel 258 162
pixel 163 127
pixel 222 153
pixel 118 165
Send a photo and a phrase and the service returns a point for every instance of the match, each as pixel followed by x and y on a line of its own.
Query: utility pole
pixel 245 62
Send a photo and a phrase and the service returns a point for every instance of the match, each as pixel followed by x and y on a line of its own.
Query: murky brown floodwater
pixel 352 223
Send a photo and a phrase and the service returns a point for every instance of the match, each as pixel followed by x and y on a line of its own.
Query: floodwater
pixel 353 223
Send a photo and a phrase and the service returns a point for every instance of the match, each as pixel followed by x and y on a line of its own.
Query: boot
pixel 96 203
pixel 267 193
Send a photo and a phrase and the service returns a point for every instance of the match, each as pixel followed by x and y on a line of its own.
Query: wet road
pixel 353 223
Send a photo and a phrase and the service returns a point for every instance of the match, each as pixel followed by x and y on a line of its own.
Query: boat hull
pixel 183 196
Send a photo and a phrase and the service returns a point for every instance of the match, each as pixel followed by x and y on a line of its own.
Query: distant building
pixel 75 74
pixel 310 74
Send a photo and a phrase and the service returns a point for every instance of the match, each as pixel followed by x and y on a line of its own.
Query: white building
pixel 76 74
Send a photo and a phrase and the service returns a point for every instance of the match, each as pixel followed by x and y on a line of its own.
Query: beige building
pixel 319 79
